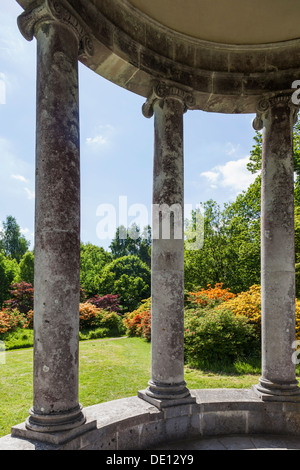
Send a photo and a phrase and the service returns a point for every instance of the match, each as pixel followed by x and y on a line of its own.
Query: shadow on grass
pixel 237 367
pixel 251 365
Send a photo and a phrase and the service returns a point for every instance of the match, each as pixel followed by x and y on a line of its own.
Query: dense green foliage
pixel 92 261
pixel 217 335
pixel 129 277
pixel 26 267
pixel 9 269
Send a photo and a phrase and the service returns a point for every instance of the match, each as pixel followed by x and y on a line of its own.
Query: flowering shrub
pixel 138 322
pixel 247 304
pixel 88 315
pixel 144 328
pixel 93 317
pixel 11 320
pixel 29 322
pixel 211 296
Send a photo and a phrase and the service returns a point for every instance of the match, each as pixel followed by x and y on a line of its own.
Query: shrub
pixel 211 296
pixel 214 335
pixel 87 315
pixel 22 297
pixel 111 321
pixel 138 322
pixel 91 317
pixel 144 328
pixel 29 322
pixel 108 302
pixel 10 320
pixel 247 304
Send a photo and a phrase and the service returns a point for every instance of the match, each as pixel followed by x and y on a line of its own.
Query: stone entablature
pixel 131 49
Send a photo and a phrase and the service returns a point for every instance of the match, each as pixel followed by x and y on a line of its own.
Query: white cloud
pixel 103 137
pixel 19 178
pixel 212 176
pixel 97 140
pixel 233 175
pixel 30 193
pixel 27 232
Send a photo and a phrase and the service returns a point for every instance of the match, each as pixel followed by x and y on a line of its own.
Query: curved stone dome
pixel 227 22
pixel 228 53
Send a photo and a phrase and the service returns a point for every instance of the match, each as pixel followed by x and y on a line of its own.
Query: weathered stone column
pixel 168 104
pixel 277 116
pixel 57 217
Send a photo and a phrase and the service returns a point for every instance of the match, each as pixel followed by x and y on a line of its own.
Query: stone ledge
pixel 133 424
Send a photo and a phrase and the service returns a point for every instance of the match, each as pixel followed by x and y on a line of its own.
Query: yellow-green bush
pixel 246 304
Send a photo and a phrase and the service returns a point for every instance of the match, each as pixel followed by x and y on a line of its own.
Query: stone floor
pixel 250 442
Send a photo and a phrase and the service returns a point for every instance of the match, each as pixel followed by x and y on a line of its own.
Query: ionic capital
pixel 54 11
pixel 163 90
pixel 267 104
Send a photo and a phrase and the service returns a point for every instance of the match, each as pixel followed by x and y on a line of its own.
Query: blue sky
pixel 116 142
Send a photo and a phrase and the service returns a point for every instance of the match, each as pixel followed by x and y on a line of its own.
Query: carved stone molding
pixel 162 90
pixel 267 103
pixel 55 11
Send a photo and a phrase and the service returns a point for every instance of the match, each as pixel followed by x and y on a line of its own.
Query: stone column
pixel 57 217
pixel 278 382
pixel 168 104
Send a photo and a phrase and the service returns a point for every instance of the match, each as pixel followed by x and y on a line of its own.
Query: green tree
pixel 92 261
pixel 231 248
pixel 242 226
pixel 9 270
pixel 12 242
pixel 132 241
pixel 128 277
pixel 26 266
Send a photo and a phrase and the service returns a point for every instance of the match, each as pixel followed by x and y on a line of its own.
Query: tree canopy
pixel 131 241
pixel 12 242
pixel 129 277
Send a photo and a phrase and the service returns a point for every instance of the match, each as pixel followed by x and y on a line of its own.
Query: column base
pixel 56 429
pixel 55 422
pixel 163 396
pixel 269 391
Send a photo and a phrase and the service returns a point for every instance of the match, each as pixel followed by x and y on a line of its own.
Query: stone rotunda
pixel 180 55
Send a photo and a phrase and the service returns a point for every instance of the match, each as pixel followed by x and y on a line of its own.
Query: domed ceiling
pixel 227 21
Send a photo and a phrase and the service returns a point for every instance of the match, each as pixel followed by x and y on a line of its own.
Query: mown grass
pixel 109 369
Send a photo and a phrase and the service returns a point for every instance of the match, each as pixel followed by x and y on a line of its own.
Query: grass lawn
pixel 109 369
